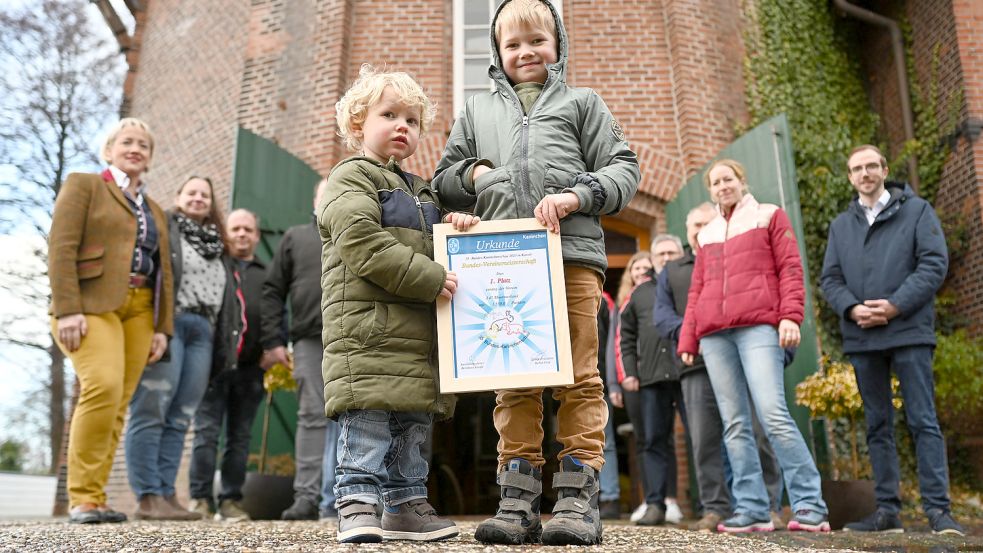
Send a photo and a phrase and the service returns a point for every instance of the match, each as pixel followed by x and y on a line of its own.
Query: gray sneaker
pixel 416 520
pixel 576 517
pixel 230 510
pixel 359 523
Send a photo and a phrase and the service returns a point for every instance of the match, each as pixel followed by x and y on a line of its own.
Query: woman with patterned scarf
pixel 207 316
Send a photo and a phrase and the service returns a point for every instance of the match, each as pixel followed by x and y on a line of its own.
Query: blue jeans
pixel 610 487
pixel 232 400
pixel 913 365
pixel 749 358
pixel 328 466
pixel 379 457
pixel 164 403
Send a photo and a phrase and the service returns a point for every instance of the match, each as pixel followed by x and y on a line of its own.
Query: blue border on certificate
pixel 469 244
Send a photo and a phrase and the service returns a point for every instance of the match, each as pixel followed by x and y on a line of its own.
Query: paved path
pixel 270 536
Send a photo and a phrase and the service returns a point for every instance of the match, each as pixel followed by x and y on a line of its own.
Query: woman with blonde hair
pixel 745 304
pixel 111 303
pixel 208 322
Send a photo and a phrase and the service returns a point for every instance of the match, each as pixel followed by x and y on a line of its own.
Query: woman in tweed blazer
pixel 112 302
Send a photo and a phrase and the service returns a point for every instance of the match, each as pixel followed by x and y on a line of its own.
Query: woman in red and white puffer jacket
pixel 745 305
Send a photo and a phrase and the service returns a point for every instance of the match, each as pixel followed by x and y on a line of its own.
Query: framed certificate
pixel 506 326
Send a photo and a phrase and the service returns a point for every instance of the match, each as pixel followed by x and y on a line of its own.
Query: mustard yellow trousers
pixel 108 363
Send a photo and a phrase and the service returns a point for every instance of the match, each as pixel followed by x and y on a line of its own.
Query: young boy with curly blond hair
pixel 379 283
pixel 534 147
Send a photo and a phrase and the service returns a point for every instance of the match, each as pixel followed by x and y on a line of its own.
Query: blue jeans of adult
pixel 913 365
pixel 379 458
pixel 658 403
pixel 164 403
pixel 746 359
pixel 328 467
pixel 610 487
pixel 232 399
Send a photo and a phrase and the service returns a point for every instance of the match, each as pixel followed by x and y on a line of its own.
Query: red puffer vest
pixel 748 272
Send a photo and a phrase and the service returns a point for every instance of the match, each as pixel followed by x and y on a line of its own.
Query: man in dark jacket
pixel 650 369
pixel 705 427
pixel 885 259
pixel 233 396
pixel 296 274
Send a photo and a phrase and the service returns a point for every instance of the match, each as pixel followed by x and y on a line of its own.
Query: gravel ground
pixel 270 536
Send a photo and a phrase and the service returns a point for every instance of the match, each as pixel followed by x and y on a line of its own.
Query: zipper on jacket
pixel 423 220
pixel 723 261
pixel 524 166
pixel 524 191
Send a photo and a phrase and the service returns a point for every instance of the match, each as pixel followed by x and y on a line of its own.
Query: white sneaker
pixel 638 513
pixel 673 513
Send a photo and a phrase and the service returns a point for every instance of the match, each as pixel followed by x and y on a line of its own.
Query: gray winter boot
pixel 576 518
pixel 517 519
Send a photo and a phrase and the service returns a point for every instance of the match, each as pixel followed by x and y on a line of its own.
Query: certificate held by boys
pixel 506 326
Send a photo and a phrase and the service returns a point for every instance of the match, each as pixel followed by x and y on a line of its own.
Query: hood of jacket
pixel 555 71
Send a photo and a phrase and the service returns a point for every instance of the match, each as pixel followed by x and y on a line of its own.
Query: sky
pixel 21 368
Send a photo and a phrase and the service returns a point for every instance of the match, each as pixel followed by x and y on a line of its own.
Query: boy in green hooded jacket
pixel 534 147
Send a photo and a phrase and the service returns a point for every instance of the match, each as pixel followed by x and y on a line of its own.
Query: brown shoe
pixel 708 523
pixel 778 521
pixel 152 507
pixel 178 512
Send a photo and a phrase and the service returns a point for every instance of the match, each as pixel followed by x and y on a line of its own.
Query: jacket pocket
pixel 555 180
pixel 495 176
pixel 89 263
pixel 377 331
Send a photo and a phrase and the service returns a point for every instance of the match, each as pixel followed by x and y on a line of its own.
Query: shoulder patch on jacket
pixel 617 129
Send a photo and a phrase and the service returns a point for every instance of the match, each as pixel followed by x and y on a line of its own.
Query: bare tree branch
pixel 61 86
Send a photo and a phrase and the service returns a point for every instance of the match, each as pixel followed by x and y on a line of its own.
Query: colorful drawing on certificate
pixel 502 313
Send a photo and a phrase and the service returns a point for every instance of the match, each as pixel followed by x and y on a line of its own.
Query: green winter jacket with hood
pixel 568 142
pixel 379 283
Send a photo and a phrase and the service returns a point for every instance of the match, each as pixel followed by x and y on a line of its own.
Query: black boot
pixel 517 519
pixel 576 518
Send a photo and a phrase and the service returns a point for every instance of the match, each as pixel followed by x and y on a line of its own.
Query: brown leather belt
pixel 139 281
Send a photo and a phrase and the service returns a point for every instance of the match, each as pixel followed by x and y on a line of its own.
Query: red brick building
pixel 670 71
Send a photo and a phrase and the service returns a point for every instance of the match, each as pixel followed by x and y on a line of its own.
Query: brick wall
pixel 187 89
pixel 294 72
pixel 963 184
pixel 411 36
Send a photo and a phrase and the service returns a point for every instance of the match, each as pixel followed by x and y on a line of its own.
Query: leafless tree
pixel 61 85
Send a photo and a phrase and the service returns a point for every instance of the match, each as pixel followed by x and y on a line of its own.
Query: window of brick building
pixel 471 47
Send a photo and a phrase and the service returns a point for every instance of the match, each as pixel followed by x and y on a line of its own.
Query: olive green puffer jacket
pixel 379 282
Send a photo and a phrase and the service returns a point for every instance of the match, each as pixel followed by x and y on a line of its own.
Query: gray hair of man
pixel 696 219
pixel 247 212
pixel 667 238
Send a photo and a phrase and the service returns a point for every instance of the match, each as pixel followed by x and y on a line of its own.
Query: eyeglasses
pixel 870 168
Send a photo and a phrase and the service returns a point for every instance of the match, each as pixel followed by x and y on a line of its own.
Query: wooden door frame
pixel 643 237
